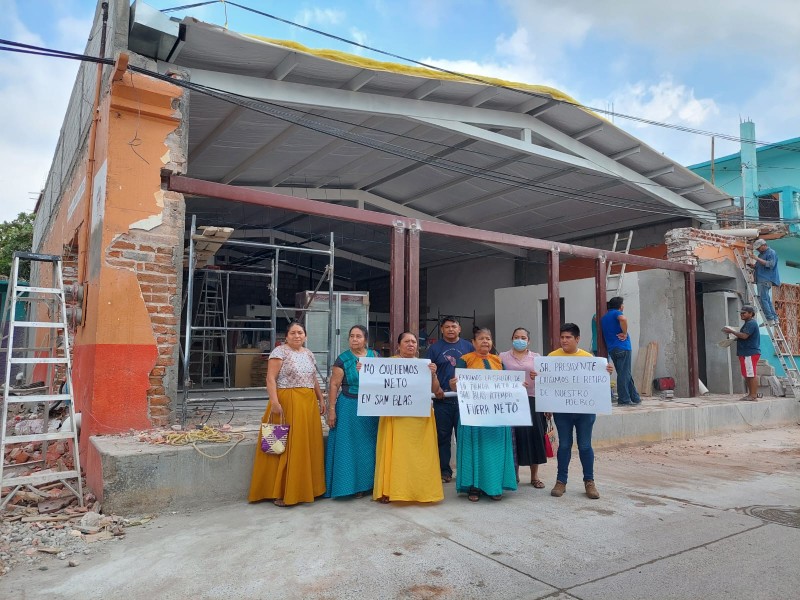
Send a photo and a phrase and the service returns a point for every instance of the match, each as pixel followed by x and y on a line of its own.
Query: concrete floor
pixel 673 522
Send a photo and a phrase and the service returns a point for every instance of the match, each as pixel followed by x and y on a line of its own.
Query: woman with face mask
pixel 529 440
pixel 484 455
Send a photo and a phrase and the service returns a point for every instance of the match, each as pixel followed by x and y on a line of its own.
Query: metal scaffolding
pixel 206 349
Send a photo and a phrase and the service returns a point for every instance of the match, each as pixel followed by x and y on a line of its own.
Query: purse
pixel 274 437
pixel 550 438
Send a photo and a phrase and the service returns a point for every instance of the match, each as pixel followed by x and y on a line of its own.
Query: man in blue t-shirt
pixel 766 275
pixel 615 333
pixel 444 353
pixel 748 349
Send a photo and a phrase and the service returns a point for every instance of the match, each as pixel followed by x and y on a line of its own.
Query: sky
pixel 698 63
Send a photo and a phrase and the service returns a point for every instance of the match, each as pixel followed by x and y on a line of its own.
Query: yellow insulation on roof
pixel 390 67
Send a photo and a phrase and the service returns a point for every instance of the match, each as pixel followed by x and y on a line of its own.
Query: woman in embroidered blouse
pixel 529 440
pixel 484 455
pixel 350 456
pixel 407 455
pixel 297 475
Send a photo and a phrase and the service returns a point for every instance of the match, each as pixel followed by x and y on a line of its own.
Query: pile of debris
pixel 39 525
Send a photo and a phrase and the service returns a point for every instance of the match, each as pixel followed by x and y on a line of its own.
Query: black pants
pixel 446 413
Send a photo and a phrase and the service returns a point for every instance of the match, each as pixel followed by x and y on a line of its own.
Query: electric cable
pixel 484 81
pixel 284 113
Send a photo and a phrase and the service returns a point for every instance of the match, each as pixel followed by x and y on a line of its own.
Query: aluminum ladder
pixel 781 345
pixel 52 360
pixel 616 271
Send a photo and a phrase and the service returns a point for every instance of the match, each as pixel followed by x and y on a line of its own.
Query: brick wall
pixel 156 257
pixel 683 244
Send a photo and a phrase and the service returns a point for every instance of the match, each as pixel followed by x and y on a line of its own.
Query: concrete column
pixel 747 131
pixel 720 309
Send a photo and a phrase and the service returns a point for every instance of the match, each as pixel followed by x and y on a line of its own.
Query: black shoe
pixel 629 403
pixel 636 402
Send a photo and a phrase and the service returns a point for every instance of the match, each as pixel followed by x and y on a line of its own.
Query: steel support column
pixel 600 302
pixel 412 280
pixel 397 277
pixel 691 333
pixel 553 299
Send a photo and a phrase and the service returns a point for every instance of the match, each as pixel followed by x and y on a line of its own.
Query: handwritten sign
pixel 572 385
pixel 394 387
pixel 492 398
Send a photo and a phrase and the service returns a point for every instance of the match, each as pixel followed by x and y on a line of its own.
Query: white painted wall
pixel 522 307
pixel 463 287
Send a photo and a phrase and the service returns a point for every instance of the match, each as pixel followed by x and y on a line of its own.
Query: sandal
pixel 360 494
pixel 748 398
pixel 279 502
pixel 473 497
pixel 497 498
pixel 384 500
pixel 447 478
pixel 537 483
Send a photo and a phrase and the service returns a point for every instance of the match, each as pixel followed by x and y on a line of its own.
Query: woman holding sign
pixel 350 458
pixel 529 440
pixel 407 455
pixel 484 455
pixel 297 475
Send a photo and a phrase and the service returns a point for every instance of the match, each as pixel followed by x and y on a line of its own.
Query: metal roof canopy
pixel 581 176
pixel 405 256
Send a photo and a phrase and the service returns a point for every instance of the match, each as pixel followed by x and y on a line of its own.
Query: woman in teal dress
pixel 484 455
pixel 350 454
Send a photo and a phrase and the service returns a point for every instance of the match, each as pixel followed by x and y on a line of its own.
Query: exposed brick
pixel 159 411
pixel 158 421
pixel 154 391
pixel 153 267
pixel 122 245
pixel 144 257
pixel 164 319
pixel 158 372
pixel 165 361
pixel 155 278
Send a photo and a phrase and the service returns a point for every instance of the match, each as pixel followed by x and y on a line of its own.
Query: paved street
pixel 675 520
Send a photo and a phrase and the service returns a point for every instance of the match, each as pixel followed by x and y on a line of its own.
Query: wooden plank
pixel 638 369
pixel 649 369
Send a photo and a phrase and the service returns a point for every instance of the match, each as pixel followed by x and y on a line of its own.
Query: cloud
pixel 34 92
pixel 678 29
pixel 360 37
pixel 320 16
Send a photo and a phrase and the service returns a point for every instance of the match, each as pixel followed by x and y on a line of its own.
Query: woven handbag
pixel 550 439
pixel 274 437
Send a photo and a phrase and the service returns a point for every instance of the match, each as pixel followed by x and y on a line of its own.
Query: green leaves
pixel 16 235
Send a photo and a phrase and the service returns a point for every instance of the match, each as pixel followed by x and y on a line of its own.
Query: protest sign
pixel 394 387
pixel 492 398
pixel 567 384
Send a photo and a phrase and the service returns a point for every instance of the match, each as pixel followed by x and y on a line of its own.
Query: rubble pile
pixel 40 526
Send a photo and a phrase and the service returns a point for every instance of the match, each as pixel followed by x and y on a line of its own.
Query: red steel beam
pixel 412 279
pixel 553 300
pixel 198 187
pixel 691 334
pixel 396 285
pixel 600 302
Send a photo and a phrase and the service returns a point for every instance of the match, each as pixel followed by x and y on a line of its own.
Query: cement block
pixel 141 478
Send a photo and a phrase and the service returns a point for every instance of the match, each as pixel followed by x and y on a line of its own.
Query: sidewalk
pixel 139 477
pixel 676 520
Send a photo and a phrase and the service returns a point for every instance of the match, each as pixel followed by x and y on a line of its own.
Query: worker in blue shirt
pixel 748 349
pixel 766 275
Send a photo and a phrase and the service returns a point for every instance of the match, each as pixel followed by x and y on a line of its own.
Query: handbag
pixel 550 438
pixel 274 437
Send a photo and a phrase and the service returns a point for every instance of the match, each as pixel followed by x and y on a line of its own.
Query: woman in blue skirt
pixel 350 455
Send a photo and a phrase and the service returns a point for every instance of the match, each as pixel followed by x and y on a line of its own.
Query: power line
pixel 484 81
pixel 286 114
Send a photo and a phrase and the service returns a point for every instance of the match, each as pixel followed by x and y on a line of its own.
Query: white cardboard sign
pixel 492 398
pixel 566 384
pixel 394 387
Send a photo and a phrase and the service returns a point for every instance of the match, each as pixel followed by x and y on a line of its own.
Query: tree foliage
pixel 16 235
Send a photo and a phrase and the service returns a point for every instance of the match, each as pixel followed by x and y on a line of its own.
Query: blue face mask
pixel 519 344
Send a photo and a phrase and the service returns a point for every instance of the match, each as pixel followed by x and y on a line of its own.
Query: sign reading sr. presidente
pixel 394 387
pixel 566 384
pixel 492 398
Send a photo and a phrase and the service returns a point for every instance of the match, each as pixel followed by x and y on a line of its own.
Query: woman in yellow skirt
pixel 297 475
pixel 407 453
